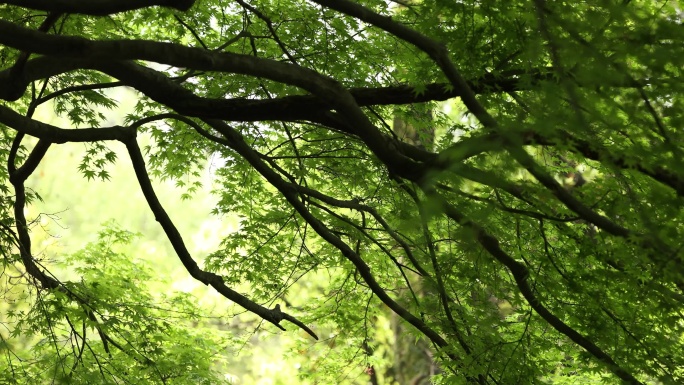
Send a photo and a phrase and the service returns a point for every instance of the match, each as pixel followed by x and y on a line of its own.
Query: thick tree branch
pixel 288 108
pixel 98 7
pixel 327 89
pixel 177 55
pixel 53 134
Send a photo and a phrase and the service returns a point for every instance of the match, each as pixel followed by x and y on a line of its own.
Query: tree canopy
pixel 525 222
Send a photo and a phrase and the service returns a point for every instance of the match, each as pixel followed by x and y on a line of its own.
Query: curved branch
pixel 328 90
pixel 17 179
pixel 273 316
pixel 53 134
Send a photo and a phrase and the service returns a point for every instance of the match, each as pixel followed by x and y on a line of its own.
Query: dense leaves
pixel 501 179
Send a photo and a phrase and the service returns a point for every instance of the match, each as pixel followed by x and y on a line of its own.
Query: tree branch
pixel 53 134
pixel 273 316
pixel 288 108
pixel 98 7
pixel 290 194
pixel 521 274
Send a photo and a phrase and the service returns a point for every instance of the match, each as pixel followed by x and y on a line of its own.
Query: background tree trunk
pixel 413 363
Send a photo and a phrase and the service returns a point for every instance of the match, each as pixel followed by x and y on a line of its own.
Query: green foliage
pixel 118 331
pixel 489 190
